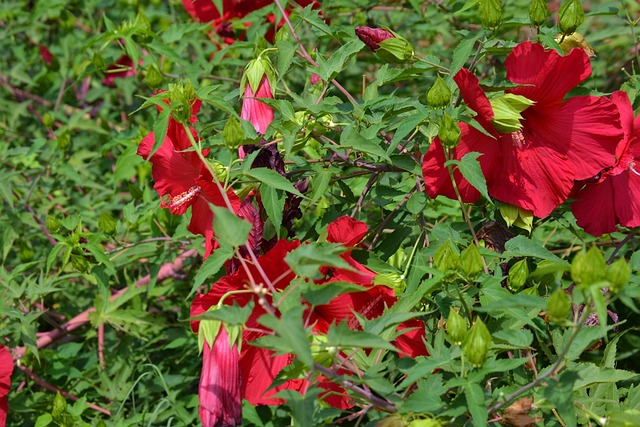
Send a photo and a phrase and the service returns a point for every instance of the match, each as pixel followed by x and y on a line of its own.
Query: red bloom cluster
pixel 533 160
pixel 259 366
pixel 206 11
pixel 6 369
pixel 182 179
pixel 613 197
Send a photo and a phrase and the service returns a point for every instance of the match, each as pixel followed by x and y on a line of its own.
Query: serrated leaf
pixel 323 294
pixel 273 179
pixel 291 335
pixel 522 246
pixel 328 68
pixel 469 167
pixel 229 314
pixel 228 227
pixel 273 201
pixel 306 260
pixel 341 335
pixel 211 266
pixel 462 52
pixel 474 396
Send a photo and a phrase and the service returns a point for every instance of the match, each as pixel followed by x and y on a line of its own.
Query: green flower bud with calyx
pixel 153 77
pixel 589 268
pixel 514 215
pixel 471 262
pixel 446 259
pixel 394 420
pixel 322 353
pixel 490 13
pixel 570 16
pixel 518 275
pixel 449 132
pixel 506 112
pixel 457 327
pixel 52 224
pixel 426 422
pixel 47 120
pixel 209 329
pixel 439 95
pixel 395 49
pixel 558 306
pixel 538 13
pixel 392 280
pixel 59 407
pixel 477 343
pixel 221 171
pixel 255 70
pixel 98 61
pixel 182 96
pixel 232 134
pixel 618 275
pixel 107 223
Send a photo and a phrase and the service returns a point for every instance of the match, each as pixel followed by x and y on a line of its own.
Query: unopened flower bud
pixel 456 327
pixel 47 120
pixel 588 268
pixel 471 262
pixel 449 132
pixel 98 61
pixel 232 134
pixel 576 41
pixel 153 77
pixel 490 13
pixel 446 259
pixel 80 263
pixel 426 422
pixel 506 112
pixel 373 36
pixel 394 420
pixel 558 306
pixel 52 223
pixel 396 49
pixel 182 96
pixel 518 275
pixel 439 95
pixel 107 223
pixel 618 274
pixel 64 142
pixel 59 407
pixel 392 280
pixel 570 16
pixel 220 170
pixel 477 343
pixel 538 13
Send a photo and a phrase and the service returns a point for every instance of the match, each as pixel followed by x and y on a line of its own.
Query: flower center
pixel 518 139
pixel 181 199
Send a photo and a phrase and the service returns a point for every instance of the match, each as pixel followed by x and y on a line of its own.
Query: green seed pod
pixel 153 77
pixel 391 421
pixel 221 171
pixel 47 120
pixel 107 223
pixel 570 16
pixel 618 274
pixel 59 407
pixel 439 95
pixel 64 142
pixel 446 259
pixel 52 223
pixel 538 13
pixel 558 306
pixel 182 95
pixel 80 263
pixel 426 422
pixel 449 132
pixel 98 61
pixel 588 268
pixel 477 343
pixel 490 13
pixel 518 275
pixel 471 262
pixel 456 327
pixel 232 134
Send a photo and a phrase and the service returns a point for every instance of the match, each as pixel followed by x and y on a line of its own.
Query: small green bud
pixel 394 420
pixel 518 275
pixel 322 354
pixel 153 77
pixel 59 407
pixel 142 22
pixel 514 215
pixel 449 132
pixel 426 422
pixel 439 95
pixel 392 280
pixel 52 223
pixel 98 61
pixel 446 259
pixel 220 169
pixel 570 16
pixel 26 253
pixel 588 268
pixel 618 274
pixel 477 343
pixel 506 112
pixel 471 262
pixel 490 13
pixel 107 223
pixel 80 263
pixel 456 327
pixel 47 120
pixel 232 134
pixel 64 142
pixel 395 49
pixel 538 13
pixel 182 95
pixel 558 306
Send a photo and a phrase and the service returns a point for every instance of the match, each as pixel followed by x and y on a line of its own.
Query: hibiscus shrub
pixel 273 213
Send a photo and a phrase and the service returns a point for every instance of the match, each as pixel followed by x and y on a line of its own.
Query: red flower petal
pixel 258 113
pixel 411 342
pixel 594 208
pixel 6 369
pixel 347 231
pixel 474 97
pixel 546 74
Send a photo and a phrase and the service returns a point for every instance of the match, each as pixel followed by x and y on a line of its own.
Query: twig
pixel 365 191
pixel 393 212
pixel 620 245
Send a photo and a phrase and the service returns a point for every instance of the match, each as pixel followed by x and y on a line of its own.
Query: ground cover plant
pixel 274 213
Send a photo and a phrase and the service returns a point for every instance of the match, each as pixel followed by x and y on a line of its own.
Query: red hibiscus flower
pixel 537 150
pixel 257 112
pixel 183 180
pixel 6 369
pixel 123 67
pixel 614 198
pixel 219 391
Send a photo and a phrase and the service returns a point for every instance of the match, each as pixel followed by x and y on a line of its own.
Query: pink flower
pixel 533 165
pixel 614 198
pixel 257 112
pixel 219 392
pixel 6 369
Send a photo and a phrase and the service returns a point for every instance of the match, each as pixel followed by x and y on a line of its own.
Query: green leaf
pixel 323 294
pixel 211 266
pixel 44 420
pixel 462 52
pixel 559 392
pixel 273 201
pixel 474 395
pixel 306 260
pixel 592 374
pixel 273 179
pixel 469 167
pixel 521 246
pixel 228 227
pixel 328 68
pixel 341 336
pixel 229 314
pixel 291 335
